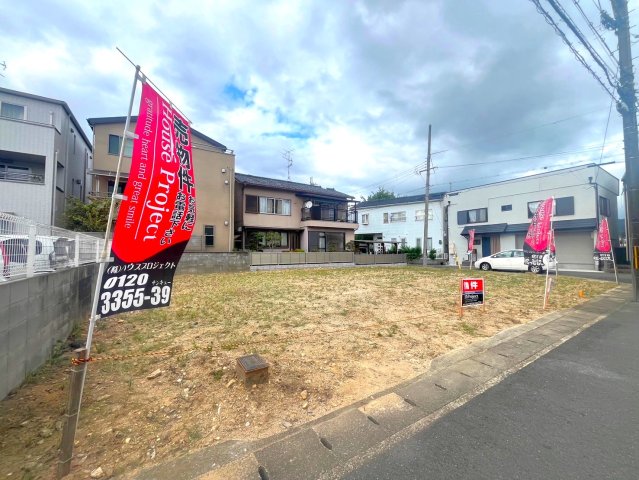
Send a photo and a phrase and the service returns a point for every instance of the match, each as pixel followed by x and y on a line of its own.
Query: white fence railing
pixel 28 248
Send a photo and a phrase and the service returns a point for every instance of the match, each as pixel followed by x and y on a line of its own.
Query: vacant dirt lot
pixel 332 336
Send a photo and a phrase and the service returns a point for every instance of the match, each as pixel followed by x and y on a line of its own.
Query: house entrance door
pixel 485 246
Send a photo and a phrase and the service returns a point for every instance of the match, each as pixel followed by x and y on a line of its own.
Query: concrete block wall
pixel 205 262
pixel 36 313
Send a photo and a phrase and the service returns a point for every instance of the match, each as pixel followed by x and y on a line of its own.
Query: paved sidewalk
pixel 345 441
pixel 572 414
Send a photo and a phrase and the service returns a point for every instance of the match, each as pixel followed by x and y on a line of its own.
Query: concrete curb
pixel 330 446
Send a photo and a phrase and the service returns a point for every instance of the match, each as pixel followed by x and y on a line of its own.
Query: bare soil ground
pixel 332 336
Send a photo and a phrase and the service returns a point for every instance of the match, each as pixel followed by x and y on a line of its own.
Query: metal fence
pixel 28 248
pixel 296 258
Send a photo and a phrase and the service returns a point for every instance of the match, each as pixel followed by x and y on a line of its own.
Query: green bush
pixel 412 253
pixel 432 254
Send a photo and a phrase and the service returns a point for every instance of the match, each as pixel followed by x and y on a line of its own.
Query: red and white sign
pixel 539 237
pixel 157 216
pixel 471 240
pixel 472 291
pixel 603 246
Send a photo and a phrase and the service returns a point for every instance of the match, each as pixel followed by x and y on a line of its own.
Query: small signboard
pixel 472 292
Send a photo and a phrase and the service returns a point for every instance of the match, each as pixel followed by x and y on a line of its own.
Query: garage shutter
pixel 574 250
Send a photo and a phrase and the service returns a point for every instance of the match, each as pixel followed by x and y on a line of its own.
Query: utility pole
pixel 627 107
pixel 426 195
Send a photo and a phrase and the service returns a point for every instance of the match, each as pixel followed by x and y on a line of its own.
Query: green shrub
pixel 412 253
pixel 432 254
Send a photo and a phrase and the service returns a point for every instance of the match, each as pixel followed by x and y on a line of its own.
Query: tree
pixel 381 194
pixel 87 217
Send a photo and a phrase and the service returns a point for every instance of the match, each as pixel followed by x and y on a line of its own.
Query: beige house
pixel 279 215
pixel 214 165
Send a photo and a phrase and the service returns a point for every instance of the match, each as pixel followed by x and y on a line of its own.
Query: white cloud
pixel 350 86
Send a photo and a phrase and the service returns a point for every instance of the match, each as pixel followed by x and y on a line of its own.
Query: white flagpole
pixel 550 238
pixel 614 262
pixel 612 253
pixel 104 258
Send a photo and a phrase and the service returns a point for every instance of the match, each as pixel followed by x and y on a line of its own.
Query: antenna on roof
pixel 4 67
pixel 288 156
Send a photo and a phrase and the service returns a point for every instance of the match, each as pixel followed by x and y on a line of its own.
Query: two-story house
pixel 44 155
pixel 500 213
pixel 213 163
pixel 401 220
pixel 275 214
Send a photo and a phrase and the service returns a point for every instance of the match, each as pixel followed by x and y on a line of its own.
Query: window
pixel 604 206
pixel 418 242
pixel 111 186
pixel 274 206
pixel 271 206
pixel 419 215
pixel 9 110
pixel 59 177
pixel 364 218
pixel 385 217
pixel 115 143
pixel 251 204
pixel 506 208
pixel 565 206
pixel 397 217
pixel 325 242
pixel 478 215
pixel 209 235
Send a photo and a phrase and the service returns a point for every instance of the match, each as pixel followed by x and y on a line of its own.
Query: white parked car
pixel 512 260
pixel 49 253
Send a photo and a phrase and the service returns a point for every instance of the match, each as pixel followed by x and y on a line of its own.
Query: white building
pixel 44 156
pixel 402 220
pixel 500 213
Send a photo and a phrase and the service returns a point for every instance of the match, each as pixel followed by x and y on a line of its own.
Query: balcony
pixel 22 167
pixel 22 177
pixel 330 213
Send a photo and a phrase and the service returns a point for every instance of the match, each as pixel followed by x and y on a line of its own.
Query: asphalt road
pixel 572 414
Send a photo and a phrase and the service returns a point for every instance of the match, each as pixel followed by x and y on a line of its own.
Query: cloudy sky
pixel 348 87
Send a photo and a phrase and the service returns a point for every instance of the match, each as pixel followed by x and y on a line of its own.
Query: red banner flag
pixel 603 246
pixel 157 216
pixel 471 240
pixel 539 237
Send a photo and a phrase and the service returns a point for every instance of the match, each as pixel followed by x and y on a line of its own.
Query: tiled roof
pixel 300 188
pixel 134 118
pixel 401 200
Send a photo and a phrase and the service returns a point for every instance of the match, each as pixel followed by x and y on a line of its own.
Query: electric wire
pixel 575 52
pixel 563 14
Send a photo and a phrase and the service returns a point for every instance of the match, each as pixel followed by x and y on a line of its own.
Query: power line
pixel 408 173
pixel 575 164
pixel 598 36
pixel 519 131
pixel 575 52
pixel 582 38
pixel 530 157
